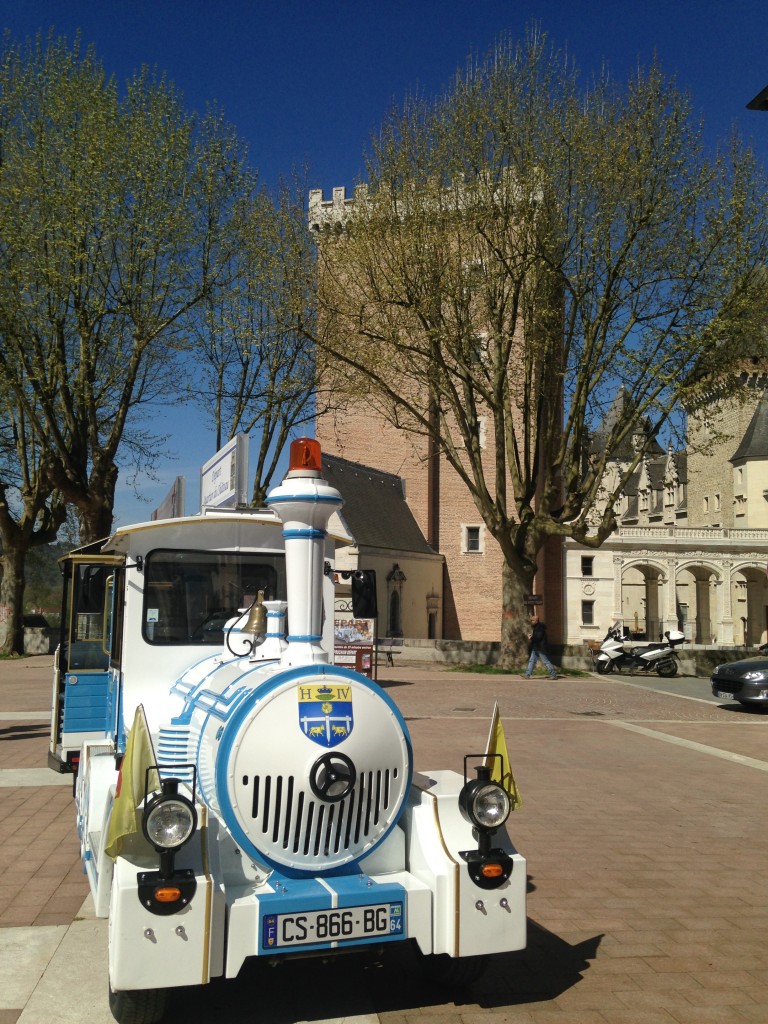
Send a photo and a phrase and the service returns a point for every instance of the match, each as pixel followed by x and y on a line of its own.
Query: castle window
pixel 472 539
pixel 717 503
pixel 477 348
pixel 706 503
pixel 587 565
pixel 587 613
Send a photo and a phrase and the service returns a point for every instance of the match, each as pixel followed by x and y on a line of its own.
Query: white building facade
pixel 691 551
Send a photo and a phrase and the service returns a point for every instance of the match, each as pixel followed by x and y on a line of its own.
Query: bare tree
pixel 256 363
pixel 524 246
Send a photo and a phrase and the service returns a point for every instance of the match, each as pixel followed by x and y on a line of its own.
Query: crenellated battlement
pixel 325 213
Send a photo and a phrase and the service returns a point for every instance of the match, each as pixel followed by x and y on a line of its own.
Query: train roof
pixel 119 542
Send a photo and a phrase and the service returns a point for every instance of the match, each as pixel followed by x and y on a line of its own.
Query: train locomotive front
pixel 274 811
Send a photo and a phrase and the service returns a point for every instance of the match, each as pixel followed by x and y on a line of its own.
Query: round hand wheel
pixel 332 777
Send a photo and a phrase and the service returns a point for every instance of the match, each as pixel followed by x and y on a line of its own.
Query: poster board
pixel 354 642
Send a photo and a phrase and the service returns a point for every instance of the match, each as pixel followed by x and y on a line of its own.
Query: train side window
pixel 118 617
pixel 86 627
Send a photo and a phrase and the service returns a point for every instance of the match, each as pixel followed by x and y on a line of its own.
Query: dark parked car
pixel 745 681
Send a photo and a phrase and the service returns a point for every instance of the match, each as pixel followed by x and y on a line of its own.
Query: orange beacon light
pixel 305 455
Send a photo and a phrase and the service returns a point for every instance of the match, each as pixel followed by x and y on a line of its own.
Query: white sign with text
pixel 224 478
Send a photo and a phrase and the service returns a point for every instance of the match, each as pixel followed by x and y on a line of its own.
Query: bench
pixel 386 648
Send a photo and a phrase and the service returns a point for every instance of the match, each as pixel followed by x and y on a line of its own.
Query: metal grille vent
pixel 290 819
pixel 173 748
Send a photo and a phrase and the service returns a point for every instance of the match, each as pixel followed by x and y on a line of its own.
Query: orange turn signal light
pixel 167 894
pixel 492 870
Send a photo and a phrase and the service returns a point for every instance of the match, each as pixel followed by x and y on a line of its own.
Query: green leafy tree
pixel 524 246
pixel 31 513
pixel 112 205
pixel 109 203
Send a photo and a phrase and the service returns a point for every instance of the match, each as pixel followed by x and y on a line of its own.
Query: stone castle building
pixel 469 599
pixel 691 550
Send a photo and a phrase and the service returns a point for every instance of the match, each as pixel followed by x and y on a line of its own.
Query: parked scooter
pixel 617 653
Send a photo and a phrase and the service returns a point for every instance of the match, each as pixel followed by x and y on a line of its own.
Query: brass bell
pixel 257 619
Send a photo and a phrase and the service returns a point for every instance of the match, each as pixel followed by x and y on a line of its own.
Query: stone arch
pixel 749 601
pixel 696 599
pixel 642 597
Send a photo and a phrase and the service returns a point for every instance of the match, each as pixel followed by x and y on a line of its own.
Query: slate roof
pixel 754 444
pixel 375 510
pixel 624 451
pixel 656 468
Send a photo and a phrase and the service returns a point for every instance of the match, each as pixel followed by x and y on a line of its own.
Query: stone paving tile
pixel 746 737
pixel 571 1016
pixel 42 880
pixel 713 1015
pixel 651 998
pixel 20 745
pixel 627 838
pixel 753 1013
pixel 507 1016
pixel 639 1016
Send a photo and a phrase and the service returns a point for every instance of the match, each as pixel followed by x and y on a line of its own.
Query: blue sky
pixel 306 83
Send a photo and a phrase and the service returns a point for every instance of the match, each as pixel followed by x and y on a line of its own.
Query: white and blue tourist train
pixel 237 794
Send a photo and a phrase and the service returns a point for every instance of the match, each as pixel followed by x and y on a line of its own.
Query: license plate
pixel 345 924
pixel 724 695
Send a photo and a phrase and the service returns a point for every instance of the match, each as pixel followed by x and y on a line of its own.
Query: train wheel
pixel 138 1006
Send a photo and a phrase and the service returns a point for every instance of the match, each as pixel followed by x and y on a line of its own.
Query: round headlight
pixel 484 804
pixel 490 805
pixel 169 822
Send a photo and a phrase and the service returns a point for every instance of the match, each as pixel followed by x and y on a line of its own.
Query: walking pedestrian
pixel 537 648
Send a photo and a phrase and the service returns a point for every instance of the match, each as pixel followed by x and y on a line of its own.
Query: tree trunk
pixel 12 597
pixel 515 584
pixel 96 514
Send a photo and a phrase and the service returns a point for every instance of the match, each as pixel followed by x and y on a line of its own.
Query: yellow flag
pixel 125 819
pixel 501 770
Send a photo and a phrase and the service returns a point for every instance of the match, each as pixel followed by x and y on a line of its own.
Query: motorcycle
pixel 617 653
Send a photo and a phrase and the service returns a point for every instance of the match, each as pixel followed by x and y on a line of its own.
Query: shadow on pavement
pixel 744 709
pixel 310 989
pixel 25 732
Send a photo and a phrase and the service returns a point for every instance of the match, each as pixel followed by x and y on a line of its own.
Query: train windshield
pixel 190 595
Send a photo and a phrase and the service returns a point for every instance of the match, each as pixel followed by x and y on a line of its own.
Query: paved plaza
pixel 642 822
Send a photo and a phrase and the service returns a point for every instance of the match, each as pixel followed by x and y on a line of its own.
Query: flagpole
pixel 491 733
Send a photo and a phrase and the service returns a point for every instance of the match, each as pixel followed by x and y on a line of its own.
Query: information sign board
pixel 172 505
pixel 224 478
pixel 353 642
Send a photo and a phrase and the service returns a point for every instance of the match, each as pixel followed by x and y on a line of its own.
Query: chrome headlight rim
pixel 165 804
pixel 485 804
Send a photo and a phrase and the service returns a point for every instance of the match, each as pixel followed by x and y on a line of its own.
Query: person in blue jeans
pixel 537 648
